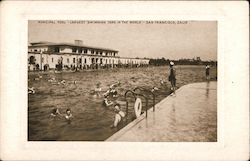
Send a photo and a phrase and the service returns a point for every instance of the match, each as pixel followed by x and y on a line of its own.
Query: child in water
pixel 119 114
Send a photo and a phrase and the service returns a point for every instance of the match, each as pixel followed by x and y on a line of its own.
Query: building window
pixel 67 60
pixel 85 60
pixel 80 51
pixel 85 51
pixel 74 60
pixel 100 53
pixel 35 50
pixel 52 60
pixel 106 53
pixel 57 49
pixel 92 51
pixel 74 50
pixel 32 60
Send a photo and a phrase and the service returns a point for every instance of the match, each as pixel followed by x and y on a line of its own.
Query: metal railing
pixel 135 96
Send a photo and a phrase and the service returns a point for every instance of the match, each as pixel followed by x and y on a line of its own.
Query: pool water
pixel 91 120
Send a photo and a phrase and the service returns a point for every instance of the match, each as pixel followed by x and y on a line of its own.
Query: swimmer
pixel 113 92
pixel 119 114
pixel 107 102
pixel 162 82
pixel 74 81
pixel 154 89
pixel 112 86
pixel 107 93
pixel 31 90
pixel 55 112
pixel 52 80
pixel 68 115
pixel 98 89
pixel 39 76
pixel 63 82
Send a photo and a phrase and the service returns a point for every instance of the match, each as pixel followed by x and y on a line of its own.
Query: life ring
pixel 138 107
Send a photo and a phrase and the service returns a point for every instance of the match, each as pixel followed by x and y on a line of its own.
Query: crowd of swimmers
pixel 116 107
pixel 31 90
pixel 55 113
pixel 112 93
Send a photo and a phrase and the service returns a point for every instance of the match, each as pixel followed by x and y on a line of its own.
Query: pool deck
pixel 190 115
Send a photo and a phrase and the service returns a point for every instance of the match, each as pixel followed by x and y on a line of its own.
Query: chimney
pixel 78 42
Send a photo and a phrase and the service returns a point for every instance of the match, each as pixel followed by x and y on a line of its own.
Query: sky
pixel 169 39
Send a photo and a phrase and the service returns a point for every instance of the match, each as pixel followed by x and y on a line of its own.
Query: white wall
pixel 47 59
pixel 65 50
pixel 38 49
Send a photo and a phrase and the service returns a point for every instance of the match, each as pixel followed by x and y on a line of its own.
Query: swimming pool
pixel 92 120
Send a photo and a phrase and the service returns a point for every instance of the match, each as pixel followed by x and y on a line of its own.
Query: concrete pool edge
pixel 121 132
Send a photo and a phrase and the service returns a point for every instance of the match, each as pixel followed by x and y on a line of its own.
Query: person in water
pixel 107 102
pixel 172 77
pixel 98 89
pixel 68 115
pixel 207 72
pixel 154 89
pixel 55 113
pixel 111 92
pixel 119 115
pixel 118 83
pixel 31 90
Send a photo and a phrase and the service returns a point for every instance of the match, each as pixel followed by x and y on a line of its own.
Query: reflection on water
pixel 207 89
pixel 91 120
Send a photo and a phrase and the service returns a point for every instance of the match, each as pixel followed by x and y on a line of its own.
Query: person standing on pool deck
pixel 172 77
pixel 207 72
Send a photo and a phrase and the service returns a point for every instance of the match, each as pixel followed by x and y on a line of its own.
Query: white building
pixel 47 55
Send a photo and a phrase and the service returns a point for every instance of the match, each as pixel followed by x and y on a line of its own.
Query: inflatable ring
pixel 138 107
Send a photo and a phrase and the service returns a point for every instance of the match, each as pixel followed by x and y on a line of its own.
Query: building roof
pixel 45 43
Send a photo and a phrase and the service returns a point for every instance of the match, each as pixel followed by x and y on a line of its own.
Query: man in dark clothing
pixel 207 72
pixel 172 77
